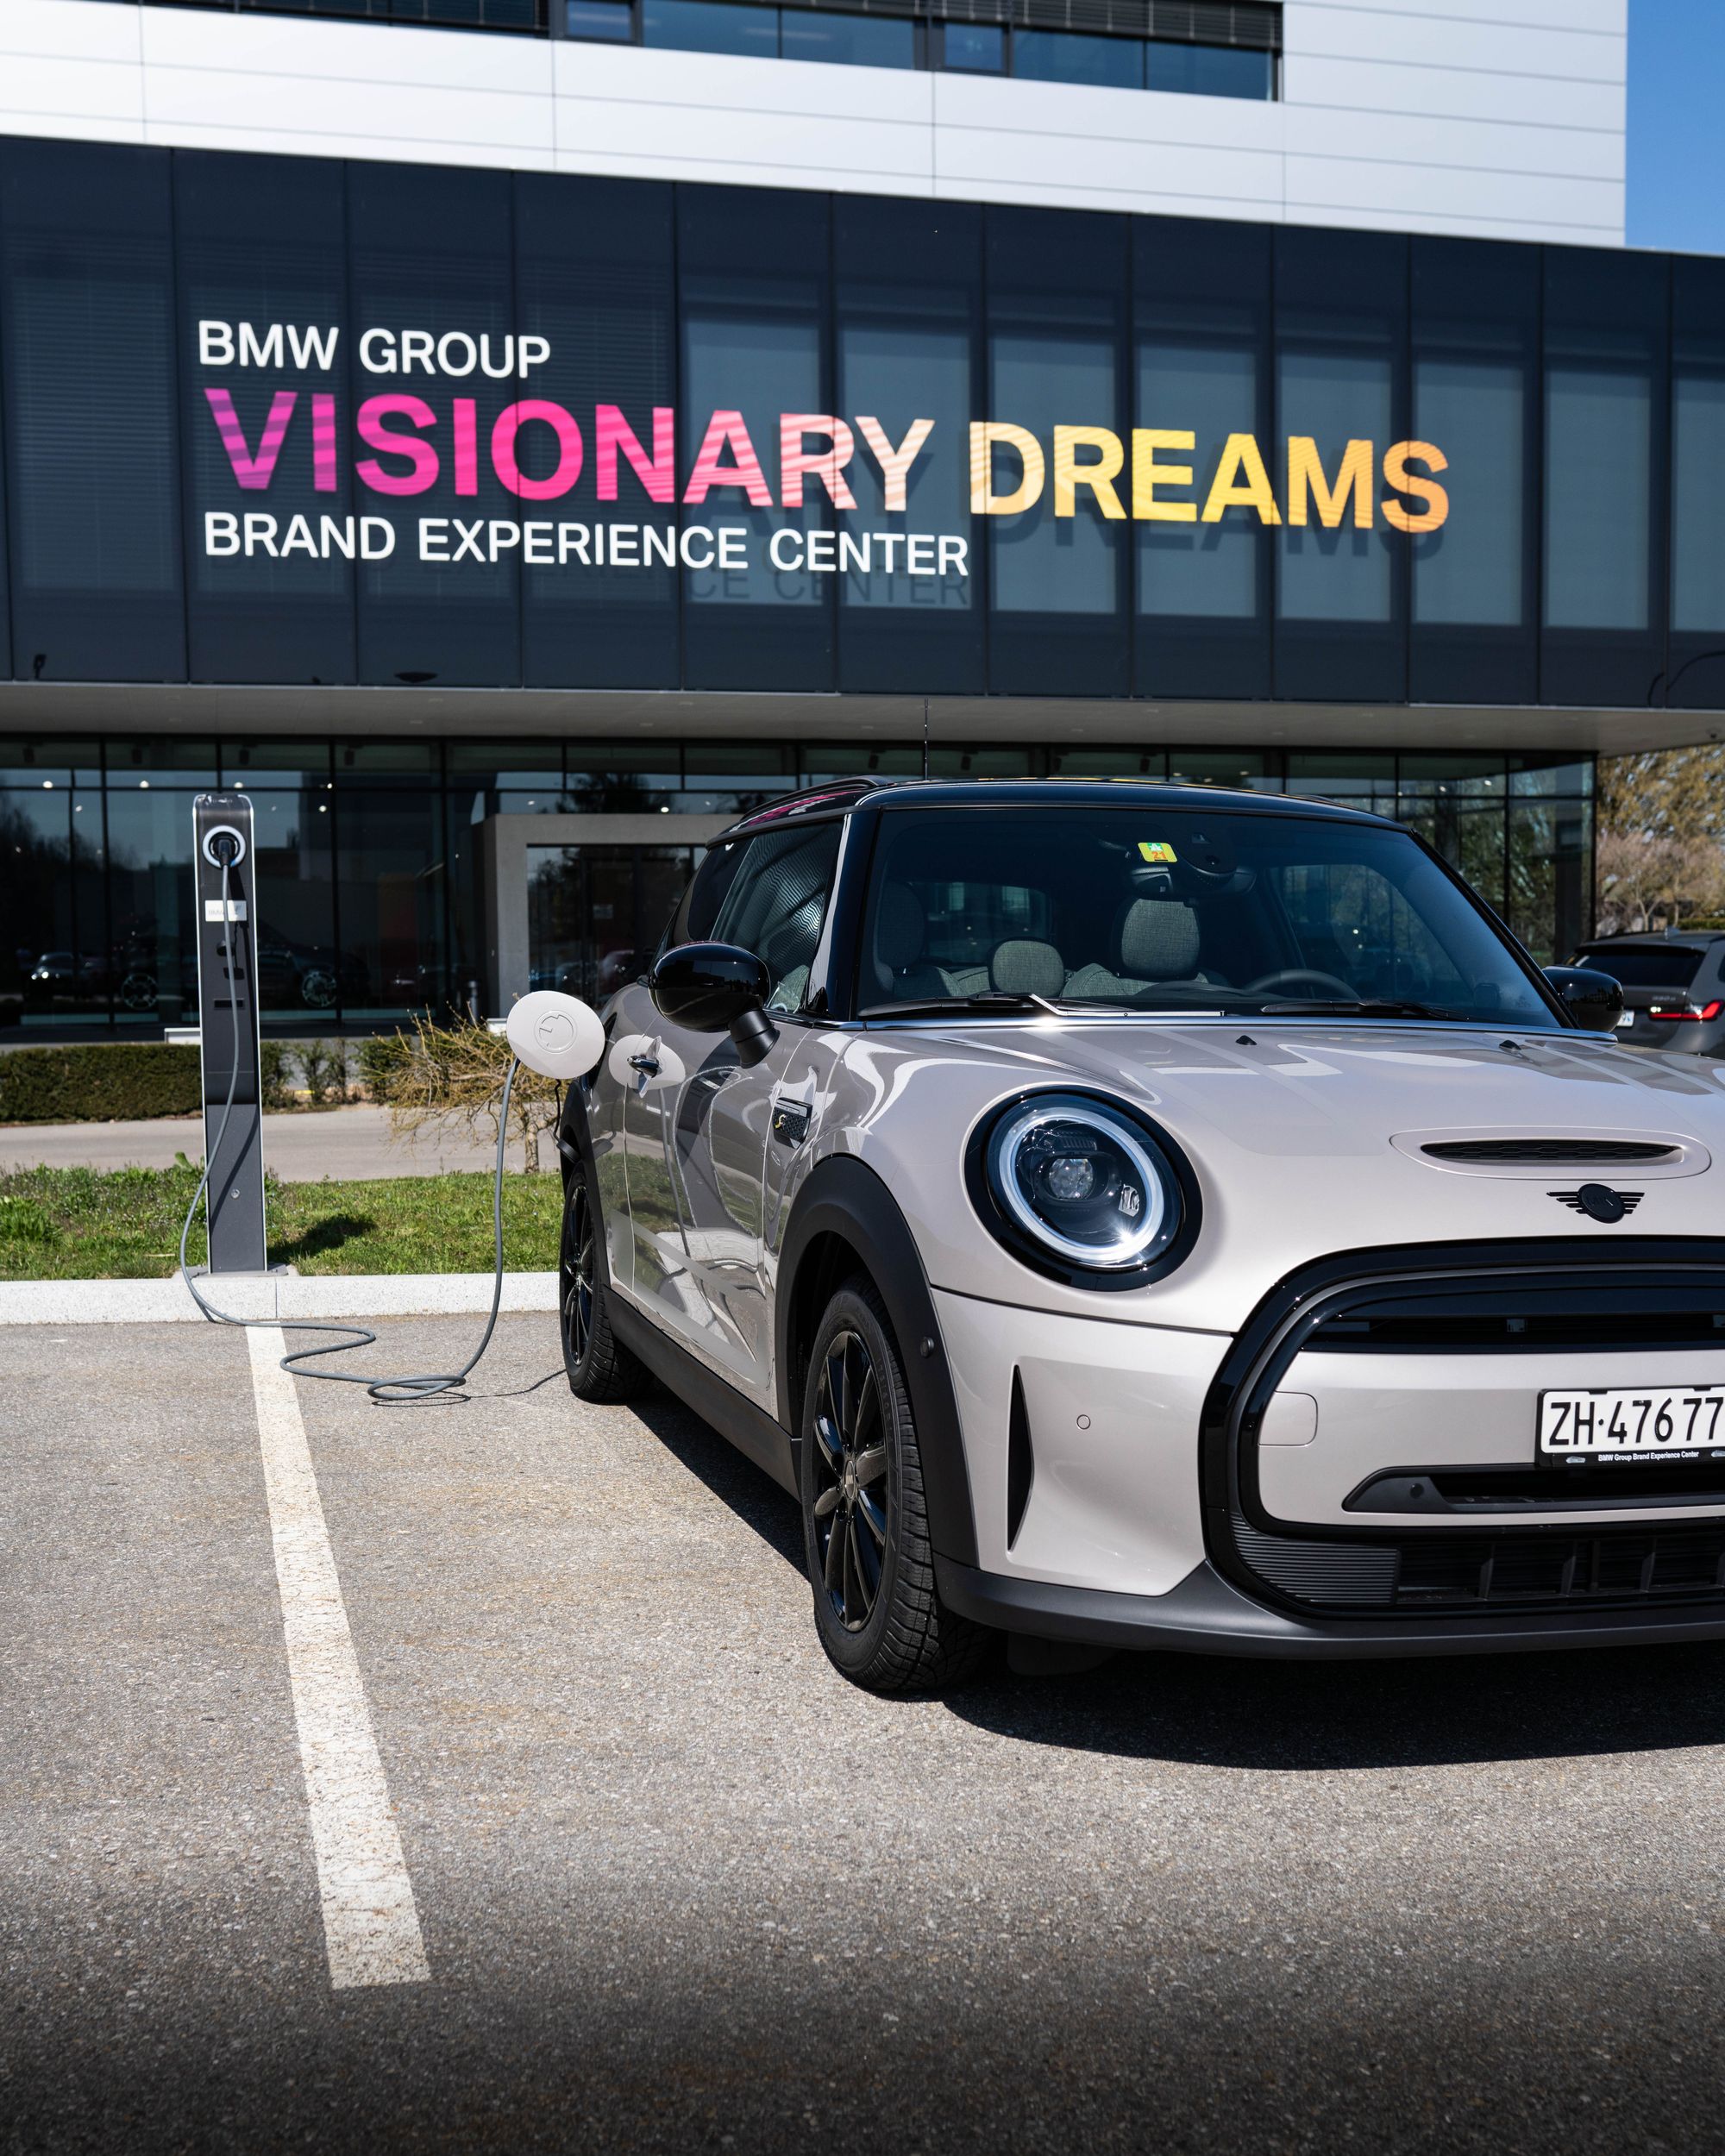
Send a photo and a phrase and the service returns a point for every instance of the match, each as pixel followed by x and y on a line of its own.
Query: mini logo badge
pixel 1598 1201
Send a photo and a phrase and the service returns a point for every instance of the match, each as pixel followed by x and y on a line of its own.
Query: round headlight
pixel 1083 1183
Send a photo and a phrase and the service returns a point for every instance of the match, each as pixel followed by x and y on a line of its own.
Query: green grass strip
pixel 124 1223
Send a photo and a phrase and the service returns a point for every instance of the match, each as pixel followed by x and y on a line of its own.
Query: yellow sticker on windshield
pixel 1156 849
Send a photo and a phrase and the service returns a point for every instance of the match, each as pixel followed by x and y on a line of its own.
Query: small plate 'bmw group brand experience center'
pixel 506 452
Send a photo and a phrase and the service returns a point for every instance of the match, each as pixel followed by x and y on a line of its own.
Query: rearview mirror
pixel 1592 999
pixel 717 988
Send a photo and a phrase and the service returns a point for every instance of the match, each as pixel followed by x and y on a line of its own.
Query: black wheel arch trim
pixel 1275 1333
pixel 843 1197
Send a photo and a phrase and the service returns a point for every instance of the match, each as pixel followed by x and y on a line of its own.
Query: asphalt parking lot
pixel 679 1887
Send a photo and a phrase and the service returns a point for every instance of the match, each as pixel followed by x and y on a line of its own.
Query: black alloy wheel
pixel 849 1469
pixel 865 1523
pixel 599 1368
pixel 575 1276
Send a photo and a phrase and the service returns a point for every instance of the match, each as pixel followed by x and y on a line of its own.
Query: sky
pixel 1677 144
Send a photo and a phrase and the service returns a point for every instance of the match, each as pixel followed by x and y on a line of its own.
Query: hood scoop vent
pixel 1551 1152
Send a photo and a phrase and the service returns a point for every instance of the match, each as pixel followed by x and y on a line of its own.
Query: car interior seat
pixel 1024 966
pixel 1157 941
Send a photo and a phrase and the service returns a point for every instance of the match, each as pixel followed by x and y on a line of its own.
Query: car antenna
pixel 925 737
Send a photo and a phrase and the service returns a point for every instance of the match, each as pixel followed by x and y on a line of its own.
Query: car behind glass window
pixel 1172 910
pixel 1673 966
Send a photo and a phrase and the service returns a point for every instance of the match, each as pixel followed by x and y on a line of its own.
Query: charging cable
pixel 389 1391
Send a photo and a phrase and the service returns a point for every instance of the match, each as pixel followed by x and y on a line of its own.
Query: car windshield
pixel 1173 910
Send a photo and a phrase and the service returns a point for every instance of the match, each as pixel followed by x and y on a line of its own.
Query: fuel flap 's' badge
pixel 1158 850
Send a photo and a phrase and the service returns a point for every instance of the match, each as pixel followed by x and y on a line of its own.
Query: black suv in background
pixel 1673 987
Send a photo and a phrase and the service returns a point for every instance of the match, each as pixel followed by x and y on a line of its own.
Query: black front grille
pixel 1663 1292
pixel 1538 1317
pixel 1532 1572
pixel 1537 1151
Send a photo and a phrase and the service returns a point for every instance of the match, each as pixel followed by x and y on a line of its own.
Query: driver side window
pixel 775 902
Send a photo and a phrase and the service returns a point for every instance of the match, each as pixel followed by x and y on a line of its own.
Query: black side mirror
pixel 717 988
pixel 1592 999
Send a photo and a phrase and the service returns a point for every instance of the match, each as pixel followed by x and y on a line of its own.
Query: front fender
pixel 843 1205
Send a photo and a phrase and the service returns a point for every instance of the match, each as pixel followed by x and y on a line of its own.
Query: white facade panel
pixel 1496 46
pixel 1346 86
pixel 1462 116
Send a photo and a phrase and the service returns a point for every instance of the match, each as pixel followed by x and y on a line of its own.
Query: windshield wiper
pixel 1362 1006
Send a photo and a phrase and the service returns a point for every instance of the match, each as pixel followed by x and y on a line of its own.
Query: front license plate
pixel 1649 1422
pixel 1625 1018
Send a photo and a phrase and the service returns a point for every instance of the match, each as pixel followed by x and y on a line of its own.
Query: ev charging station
pixel 228 1016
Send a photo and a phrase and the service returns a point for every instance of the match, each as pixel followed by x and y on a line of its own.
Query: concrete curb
pixel 282 1296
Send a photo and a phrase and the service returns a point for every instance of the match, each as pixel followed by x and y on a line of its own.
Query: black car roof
pixel 916 793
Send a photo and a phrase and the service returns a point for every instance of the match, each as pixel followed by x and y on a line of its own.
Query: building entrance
pixel 595 913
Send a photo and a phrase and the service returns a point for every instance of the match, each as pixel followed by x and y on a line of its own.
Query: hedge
pixel 114 1082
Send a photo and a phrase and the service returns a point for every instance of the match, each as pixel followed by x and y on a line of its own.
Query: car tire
pixel 599 1368
pixel 865 1522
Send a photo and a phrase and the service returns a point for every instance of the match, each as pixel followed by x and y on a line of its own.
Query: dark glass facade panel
pixel 1059 566
pixel 710 26
pixel 1695 669
pixel 1605 473
pixel 265 330
pixel 1341 314
pixel 431 251
pixel 595 279
pixel 622 778
pixel 1209 70
pixel 847 41
pixel 753 265
pixel 391 897
pixel 87 355
pixel 1201 298
pixel 907 304
pixel 729 778
pixel 1549 857
pixel 53 963
pixel 1107 63
pixel 304 975
pixel 152 954
pixel 1457 805
pixel 1475 333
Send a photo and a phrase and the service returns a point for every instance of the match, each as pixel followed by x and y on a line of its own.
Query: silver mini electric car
pixel 1152 1216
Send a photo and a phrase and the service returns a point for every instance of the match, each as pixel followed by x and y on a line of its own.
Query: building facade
pixel 507 452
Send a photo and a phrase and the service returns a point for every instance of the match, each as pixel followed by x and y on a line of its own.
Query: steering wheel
pixel 1285 976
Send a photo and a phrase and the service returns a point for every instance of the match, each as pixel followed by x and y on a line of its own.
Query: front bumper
pixel 1204 1614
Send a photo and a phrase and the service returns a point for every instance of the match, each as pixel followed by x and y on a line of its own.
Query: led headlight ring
pixel 1082 1188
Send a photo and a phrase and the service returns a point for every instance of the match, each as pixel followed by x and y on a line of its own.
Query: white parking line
pixel 371 1927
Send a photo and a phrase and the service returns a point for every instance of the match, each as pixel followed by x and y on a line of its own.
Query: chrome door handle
pixel 647 1065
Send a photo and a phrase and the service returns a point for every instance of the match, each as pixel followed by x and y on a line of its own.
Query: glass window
pixel 977 48
pixel 710 26
pixel 1112 63
pixel 612 20
pixel 907 306
pixel 730 778
pixel 53 761
pixel 153 958
pixel 622 778
pixel 54 963
pixel 1223 767
pixel 753 265
pixel 851 41
pixel 1367 782
pixel 594 278
pixel 595 913
pixel 1334 391
pixel 430 251
pixel 280 610
pixel 1598 460
pixel 775 903
pixel 389 900
pixel 1107 763
pixel 1697 592
pixel 93 480
pixel 303 977
pixel 1172 909
pixel 1457 805
pixel 1209 70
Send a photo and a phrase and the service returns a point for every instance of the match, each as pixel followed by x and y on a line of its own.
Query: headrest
pixel 899 928
pixel 1023 967
pixel 1159 940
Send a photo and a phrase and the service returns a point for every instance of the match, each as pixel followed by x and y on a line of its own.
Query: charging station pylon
pixel 227 991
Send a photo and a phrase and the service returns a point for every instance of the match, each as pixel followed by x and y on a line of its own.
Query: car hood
pixel 1307 1139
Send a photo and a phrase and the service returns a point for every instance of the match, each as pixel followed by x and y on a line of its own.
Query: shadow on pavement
pixel 1301 1719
